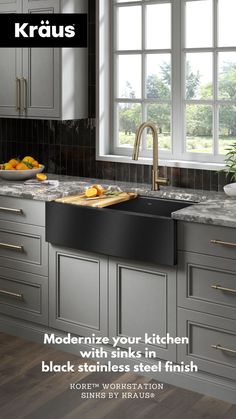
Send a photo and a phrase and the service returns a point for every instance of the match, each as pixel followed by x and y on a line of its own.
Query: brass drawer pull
pixel 222 348
pixel 12 247
pixel 12 294
pixel 219 287
pixel 13 210
pixel 222 243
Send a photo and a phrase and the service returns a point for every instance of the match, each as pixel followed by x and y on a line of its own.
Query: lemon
pixel 41 176
pixel 91 192
pixel 28 159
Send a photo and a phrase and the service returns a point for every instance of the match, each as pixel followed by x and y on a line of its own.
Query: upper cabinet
pixel 44 83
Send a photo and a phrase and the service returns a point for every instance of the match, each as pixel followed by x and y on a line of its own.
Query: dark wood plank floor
pixel 27 393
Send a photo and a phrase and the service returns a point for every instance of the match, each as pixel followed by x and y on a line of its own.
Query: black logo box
pixel 77 20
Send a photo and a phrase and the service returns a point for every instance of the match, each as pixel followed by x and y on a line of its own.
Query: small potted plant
pixel 230 162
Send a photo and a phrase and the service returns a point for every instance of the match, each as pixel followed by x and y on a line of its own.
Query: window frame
pixel 105 149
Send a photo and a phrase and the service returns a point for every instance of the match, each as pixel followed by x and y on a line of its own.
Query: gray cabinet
pixel 207 284
pixel 78 287
pixel 89 291
pixel 41 82
pixel 212 344
pixel 23 211
pixel 207 239
pixel 142 299
pixel 207 297
pixel 10 69
pixel 23 260
pixel 24 295
pixel 23 247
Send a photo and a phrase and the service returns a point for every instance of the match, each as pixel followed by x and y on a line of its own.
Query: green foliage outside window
pixel 198 117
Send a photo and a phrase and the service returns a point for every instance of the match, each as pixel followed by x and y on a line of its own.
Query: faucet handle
pixel 157 181
pixel 162 181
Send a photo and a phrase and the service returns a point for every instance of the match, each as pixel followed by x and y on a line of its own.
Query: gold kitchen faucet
pixel 156 180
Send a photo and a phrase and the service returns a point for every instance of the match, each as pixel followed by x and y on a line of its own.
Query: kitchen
pixel 168 255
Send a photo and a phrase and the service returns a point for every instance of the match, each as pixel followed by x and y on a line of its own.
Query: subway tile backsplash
pixel 68 147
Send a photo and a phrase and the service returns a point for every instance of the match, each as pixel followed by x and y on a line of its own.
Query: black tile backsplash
pixel 68 147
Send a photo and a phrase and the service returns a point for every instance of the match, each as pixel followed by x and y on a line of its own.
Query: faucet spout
pixel 156 180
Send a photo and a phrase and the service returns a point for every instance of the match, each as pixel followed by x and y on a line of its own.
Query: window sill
pixel 187 164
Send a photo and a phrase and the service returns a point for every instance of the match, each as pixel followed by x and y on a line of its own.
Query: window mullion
pixel 113 78
pixel 176 85
pixel 144 69
pixel 215 79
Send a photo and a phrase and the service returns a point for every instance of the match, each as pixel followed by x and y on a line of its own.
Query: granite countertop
pixel 211 207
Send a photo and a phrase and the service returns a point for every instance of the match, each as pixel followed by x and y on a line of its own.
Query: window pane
pixel 198 76
pixel 158 79
pixel 227 28
pixel 199 129
pixel 199 23
pixel 129 118
pixel 227 75
pixel 129 28
pixel 161 116
pixel 227 129
pixel 129 76
pixel 158 24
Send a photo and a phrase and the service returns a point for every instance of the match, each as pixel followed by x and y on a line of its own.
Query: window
pixel 173 63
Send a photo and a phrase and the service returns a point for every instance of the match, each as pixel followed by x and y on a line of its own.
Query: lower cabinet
pixel 212 342
pixel 207 298
pixel 23 260
pixel 142 300
pixel 24 295
pixel 78 288
pixel 207 284
pixel 87 290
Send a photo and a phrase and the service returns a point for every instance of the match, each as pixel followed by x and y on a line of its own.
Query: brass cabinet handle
pixel 223 243
pixel 12 247
pixel 14 210
pixel 25 94
pixel 12 294
pixel 222 348
pixel 219 287
pixel 18 94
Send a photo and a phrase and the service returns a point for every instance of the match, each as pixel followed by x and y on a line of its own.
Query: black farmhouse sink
pixel 141 229
pixel 150 206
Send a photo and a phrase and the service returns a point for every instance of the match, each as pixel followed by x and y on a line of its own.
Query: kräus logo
pixel 40 30
pixel 44 31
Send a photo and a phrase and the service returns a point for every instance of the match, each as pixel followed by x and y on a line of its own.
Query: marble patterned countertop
pixel 211 207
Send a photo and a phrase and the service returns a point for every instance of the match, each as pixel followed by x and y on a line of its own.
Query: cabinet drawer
pixel 212 342
pixel 207 283
pixel 24 295
pixel 210 240
pixel 22 210
pixel 23 247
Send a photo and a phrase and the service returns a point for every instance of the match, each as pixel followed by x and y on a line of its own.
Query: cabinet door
pixel 10 70
pixel 41 70
pixel 78 292
pixel 142 300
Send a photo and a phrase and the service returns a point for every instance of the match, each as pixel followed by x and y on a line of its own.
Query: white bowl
pixel 20 174
pixel 230 189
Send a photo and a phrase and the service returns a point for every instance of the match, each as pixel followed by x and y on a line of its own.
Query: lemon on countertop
pixel 41 176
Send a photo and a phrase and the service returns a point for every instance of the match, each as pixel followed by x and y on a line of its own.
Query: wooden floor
pixel 27 393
